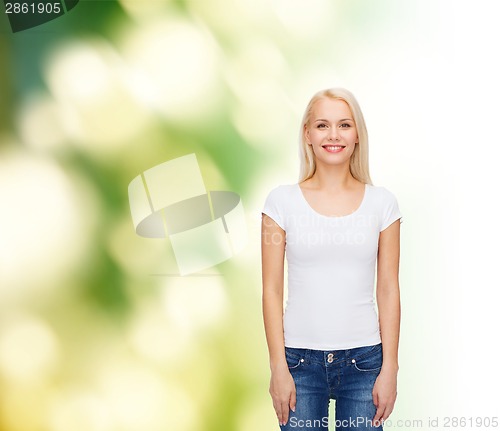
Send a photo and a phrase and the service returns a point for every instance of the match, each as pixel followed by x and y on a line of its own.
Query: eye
pixel 321 126
pixel 345 125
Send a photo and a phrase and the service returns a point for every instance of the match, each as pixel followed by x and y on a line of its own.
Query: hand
pixel 283 393
pixel 384 394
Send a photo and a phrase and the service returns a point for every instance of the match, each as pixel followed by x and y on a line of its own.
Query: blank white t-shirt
pixel 331 268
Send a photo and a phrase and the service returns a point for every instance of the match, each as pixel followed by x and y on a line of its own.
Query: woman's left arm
pixel 389 310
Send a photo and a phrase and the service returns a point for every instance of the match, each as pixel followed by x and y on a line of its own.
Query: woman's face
pixel 331 131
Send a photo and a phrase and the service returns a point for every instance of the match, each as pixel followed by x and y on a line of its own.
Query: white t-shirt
pixel 331 268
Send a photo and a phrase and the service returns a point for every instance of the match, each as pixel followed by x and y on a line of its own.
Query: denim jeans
pixel 346 376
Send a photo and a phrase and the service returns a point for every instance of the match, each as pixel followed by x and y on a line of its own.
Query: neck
pixel 333 177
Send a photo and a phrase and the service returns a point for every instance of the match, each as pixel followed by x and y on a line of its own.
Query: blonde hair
pixel 358 164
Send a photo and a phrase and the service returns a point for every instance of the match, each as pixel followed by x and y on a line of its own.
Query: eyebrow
pixel 344 119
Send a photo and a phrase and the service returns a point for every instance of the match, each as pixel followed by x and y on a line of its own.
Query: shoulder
pixel 278 204
pixel 386 206
pixel 382 193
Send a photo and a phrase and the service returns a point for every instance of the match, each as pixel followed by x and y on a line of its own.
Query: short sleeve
pixel 391 211
pixel 273 208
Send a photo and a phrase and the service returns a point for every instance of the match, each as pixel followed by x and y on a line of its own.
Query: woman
pixel 336 228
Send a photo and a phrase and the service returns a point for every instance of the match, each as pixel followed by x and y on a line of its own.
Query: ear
pixel 306 134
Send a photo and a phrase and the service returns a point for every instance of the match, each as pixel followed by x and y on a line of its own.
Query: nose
pixel 333 134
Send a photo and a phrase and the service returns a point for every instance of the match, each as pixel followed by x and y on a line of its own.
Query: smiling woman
pixel 348 116
pixel 330 132
pixel 336 228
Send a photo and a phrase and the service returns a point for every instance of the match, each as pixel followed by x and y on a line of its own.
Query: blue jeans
pixel 347 376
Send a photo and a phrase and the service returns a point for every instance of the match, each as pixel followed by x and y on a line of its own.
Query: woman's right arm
pixel 282 387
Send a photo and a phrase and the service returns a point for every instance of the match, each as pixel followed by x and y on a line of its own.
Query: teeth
pixel 331 147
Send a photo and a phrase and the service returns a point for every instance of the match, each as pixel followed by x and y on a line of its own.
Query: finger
pixel 387 412
pixel 284 412
pixel 293 401
pixel 277 409
pixel 280 411
pixel 379 413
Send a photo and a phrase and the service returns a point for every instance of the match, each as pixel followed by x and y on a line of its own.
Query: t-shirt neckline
pixel 304 200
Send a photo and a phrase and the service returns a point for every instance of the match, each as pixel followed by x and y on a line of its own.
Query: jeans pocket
pixel 293 359
pixel 370 361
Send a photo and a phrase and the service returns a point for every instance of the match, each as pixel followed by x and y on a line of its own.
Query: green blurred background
pixel 97 333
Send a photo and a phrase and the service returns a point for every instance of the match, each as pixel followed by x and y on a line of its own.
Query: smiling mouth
pixel 333 148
